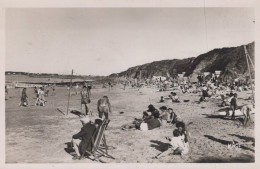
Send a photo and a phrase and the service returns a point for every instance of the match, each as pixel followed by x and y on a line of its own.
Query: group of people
pixel 155 118
pixel 83 141
pixel 40 97
pixel 173 97
pixel 103 104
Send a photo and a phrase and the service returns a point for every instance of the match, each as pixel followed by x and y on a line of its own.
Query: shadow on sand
pixel 76 112
pixel 69 149
pixel 245 158
pixel 212 116
pixel 225 142
pixel 158 145
pixel 247 139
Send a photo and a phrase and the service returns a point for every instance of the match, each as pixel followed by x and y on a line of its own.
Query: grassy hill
pixel 231 61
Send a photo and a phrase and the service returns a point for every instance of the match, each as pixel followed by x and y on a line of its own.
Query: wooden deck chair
pixel 99 144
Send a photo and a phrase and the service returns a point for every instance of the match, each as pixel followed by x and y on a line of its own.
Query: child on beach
pixel 178 145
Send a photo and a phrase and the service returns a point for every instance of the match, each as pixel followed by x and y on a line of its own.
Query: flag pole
pixel 249 72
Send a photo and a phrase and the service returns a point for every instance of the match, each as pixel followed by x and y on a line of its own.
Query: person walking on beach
pixel 85 100
pixel 24 97
pixel 6 92
pixel 104 107
pixel 233 106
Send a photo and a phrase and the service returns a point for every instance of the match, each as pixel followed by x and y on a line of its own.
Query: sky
pixel 102 41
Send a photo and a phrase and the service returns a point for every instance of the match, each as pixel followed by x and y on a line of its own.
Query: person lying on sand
pixel 178 145
pixel 82 141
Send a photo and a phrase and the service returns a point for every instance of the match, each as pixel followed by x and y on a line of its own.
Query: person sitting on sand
pixel 175 98
pixel 152 123
pixel 225 101
pixel 178 145
pixel 183 130
pixel 205 92
pixel 164 116
pixel 174 118
pixel 162 99
pixel 82 141
pixel 151 109
pixel 24 97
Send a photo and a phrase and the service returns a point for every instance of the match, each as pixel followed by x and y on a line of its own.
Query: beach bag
pixel 143 127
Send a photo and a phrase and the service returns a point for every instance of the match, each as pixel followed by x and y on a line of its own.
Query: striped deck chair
pixel 100 147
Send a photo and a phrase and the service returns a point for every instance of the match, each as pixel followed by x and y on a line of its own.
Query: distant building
pixel 206 73
pixel 180 75
pixel 159 78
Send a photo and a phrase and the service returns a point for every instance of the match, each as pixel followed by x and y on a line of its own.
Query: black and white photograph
pixel 129 85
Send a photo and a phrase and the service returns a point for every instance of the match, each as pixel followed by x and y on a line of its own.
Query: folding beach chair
pixel 99 144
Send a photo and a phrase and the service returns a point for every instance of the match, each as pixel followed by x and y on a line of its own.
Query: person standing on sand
pixel 6 92
pixel 233 105
pixel 104 107
pixel 85 100
pixel 24 97
pixel 53 90
pixel 77 88
pixel 41 99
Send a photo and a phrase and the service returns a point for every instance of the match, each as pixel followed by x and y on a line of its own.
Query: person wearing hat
pixel 82 141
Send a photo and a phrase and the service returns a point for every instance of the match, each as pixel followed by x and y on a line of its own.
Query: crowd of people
pixel 152 118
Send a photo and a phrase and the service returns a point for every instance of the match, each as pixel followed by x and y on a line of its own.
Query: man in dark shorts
pixel 85 100
pixel 233 105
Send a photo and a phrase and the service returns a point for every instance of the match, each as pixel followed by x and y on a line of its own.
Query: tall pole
pixel 69 93
pixel 249 72
pixel 251 61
